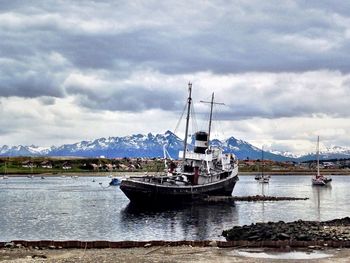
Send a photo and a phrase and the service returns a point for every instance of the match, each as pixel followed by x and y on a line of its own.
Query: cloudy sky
pixel 80 70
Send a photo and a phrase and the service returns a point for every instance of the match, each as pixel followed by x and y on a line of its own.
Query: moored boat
pixel 205 171
pixel 319 179
pixel 115 181
pixel 262 178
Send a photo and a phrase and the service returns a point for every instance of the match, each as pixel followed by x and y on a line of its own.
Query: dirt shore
pixel 173 254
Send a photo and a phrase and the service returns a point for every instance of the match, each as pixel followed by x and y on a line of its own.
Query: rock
pixel 10 245
pixel 303 237
pixel 319 232
pixel 147 245
pixel 51 247
pixel 253 237
pixel 213 243
pixel 283 236
pixel 39 256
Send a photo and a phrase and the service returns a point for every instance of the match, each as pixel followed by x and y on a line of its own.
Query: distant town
pixel 56 165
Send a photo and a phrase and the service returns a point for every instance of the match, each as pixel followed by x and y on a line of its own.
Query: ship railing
pixel 197 156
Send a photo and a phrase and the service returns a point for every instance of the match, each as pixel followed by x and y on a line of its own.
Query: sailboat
pixel 5 172
pixel 263 178
pixel 205 171
pixel 319 179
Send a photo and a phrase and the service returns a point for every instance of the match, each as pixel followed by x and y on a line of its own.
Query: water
pixel 64 208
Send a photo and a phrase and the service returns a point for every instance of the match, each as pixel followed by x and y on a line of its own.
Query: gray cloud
pixel 217 37
pixel 128 98
pixel 283 95
pixel 29 79
pixel 272 59
pixel 47 100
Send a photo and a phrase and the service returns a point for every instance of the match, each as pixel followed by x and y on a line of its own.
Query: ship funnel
pixel 201 142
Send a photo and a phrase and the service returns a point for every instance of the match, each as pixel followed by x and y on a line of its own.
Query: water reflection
pixel 62 208
pixel 198 222
pixel 264 191
pixel 320 194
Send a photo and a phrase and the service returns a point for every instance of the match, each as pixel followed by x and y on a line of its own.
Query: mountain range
pixel 150 145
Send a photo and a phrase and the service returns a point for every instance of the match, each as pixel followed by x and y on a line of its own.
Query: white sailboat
pixel 320 179
pixel 263 178
pixel 5 172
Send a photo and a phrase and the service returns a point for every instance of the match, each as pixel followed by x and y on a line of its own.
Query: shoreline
pixel 175 254
pixel 177 251
pixel 121 174
pixel 103 244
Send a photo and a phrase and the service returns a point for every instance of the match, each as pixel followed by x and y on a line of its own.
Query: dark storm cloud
pixel 220 37
pixel 130 98
pixel 29 85
pixel 29 78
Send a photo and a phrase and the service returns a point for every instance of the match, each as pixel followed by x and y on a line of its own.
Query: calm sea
pixel 82 209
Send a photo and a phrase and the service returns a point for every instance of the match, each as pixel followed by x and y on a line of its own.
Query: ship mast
pixel 189 100
pixel 318 156
pixel 211 112
pixel 262 162
pixel 211 115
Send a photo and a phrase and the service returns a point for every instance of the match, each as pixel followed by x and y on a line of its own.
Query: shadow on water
pixel 194 221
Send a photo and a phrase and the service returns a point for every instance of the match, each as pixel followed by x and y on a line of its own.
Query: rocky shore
pixel 270 238
pixel 327 233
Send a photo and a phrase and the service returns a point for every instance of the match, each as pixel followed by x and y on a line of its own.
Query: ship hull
pixel 150 194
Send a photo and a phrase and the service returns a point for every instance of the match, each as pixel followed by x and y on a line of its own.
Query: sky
pixel 81 70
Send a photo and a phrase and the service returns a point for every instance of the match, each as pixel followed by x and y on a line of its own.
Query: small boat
pixel 263 178
pixel 115 182
pixel 205 171
pixel 319 179
pixel 5 172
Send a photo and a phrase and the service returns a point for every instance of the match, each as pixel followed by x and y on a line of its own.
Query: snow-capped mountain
pixel 333 152
pixel 24 150
pixel 150 145
pixel 137 145
pixel 286 154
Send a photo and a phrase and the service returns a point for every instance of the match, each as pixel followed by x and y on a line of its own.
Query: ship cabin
pixel 205 164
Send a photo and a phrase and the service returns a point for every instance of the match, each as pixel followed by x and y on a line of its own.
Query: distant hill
pixel 139 145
